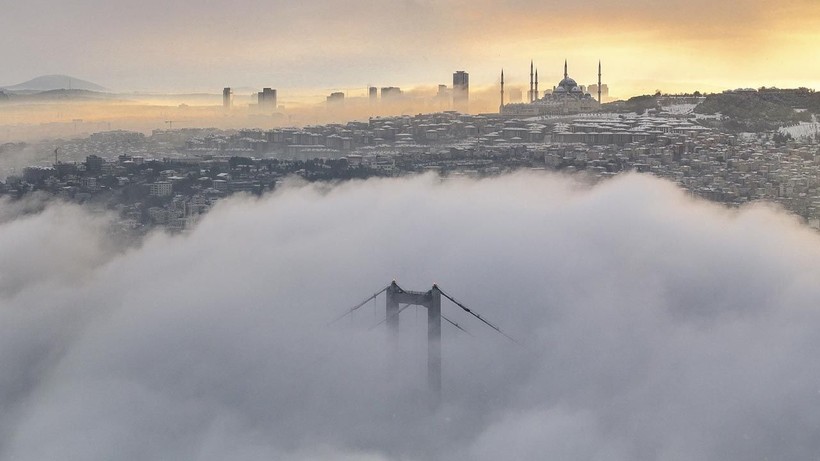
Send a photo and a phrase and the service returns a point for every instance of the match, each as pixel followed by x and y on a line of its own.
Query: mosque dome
pixel 567 84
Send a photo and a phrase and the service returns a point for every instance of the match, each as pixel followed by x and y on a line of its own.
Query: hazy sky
pixel 654 327
pixel 323 44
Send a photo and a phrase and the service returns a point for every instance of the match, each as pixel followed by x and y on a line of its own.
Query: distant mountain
pixel 55 82
pixel 52 95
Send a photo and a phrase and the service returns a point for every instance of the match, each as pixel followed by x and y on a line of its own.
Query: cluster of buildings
pixel 144 192
pixel 565 98
pixel 723 167
pixel 455 98
pixel 339 140
pixel 172 177
pixel 266 102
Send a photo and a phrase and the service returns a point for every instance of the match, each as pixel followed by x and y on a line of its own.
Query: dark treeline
pixel 762 110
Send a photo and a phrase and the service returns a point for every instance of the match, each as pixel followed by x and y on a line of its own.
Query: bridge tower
pixel 432 301
pixel 395 297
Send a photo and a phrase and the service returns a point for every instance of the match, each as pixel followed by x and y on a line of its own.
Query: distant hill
pixel 637 104
pixel 757 111
pixel 51 95
pixel 55 82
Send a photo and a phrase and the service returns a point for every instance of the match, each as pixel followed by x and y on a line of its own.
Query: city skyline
pixel 319 45
pixel 195 196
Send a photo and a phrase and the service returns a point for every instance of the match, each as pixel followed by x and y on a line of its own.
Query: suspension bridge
pixel 398 299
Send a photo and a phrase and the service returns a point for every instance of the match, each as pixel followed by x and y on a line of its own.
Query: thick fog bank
pixel 653 327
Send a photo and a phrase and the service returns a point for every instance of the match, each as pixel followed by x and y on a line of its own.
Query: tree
pixel 781 139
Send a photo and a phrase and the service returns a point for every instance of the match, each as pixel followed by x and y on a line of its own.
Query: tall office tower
pixel 443 97
pixel 601 88
pixel 373 94
pixel 515 95
pixel 266 99
pixel 226 98
pixel 461 91
pixel 336 99
pixel 390 92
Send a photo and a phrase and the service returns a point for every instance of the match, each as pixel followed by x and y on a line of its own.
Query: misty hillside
pixel 68 95
pixel 753 112
pixel 55 82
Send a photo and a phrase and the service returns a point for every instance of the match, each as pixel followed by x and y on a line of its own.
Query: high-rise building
pixel 336 98
pixel 390 92
pixel 373 94
pixel 515 95
pixel 461 91
pixel 604 91
pixel 226 98
pixel 443 97
pixel 266 99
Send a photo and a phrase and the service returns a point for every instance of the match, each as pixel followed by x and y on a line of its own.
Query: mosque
pixel 566 98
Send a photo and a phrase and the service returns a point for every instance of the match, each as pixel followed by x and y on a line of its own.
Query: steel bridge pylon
pixel 432 301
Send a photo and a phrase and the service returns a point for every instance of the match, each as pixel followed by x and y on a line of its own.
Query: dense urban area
pixel 172 177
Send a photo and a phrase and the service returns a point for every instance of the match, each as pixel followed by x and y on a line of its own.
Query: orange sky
pixel 317 46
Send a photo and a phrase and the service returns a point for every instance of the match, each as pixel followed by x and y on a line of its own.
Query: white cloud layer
pixel 654 327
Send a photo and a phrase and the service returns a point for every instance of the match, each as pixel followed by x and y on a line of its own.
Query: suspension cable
pixel 395 314
pixel 456 325
pixel 456 302
pixel 479 317
pixel 352 309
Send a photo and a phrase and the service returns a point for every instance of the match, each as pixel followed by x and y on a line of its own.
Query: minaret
pixel 536 95
pixel 501 108
pixel 565 69
pixel 531 81
pixel 599 81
